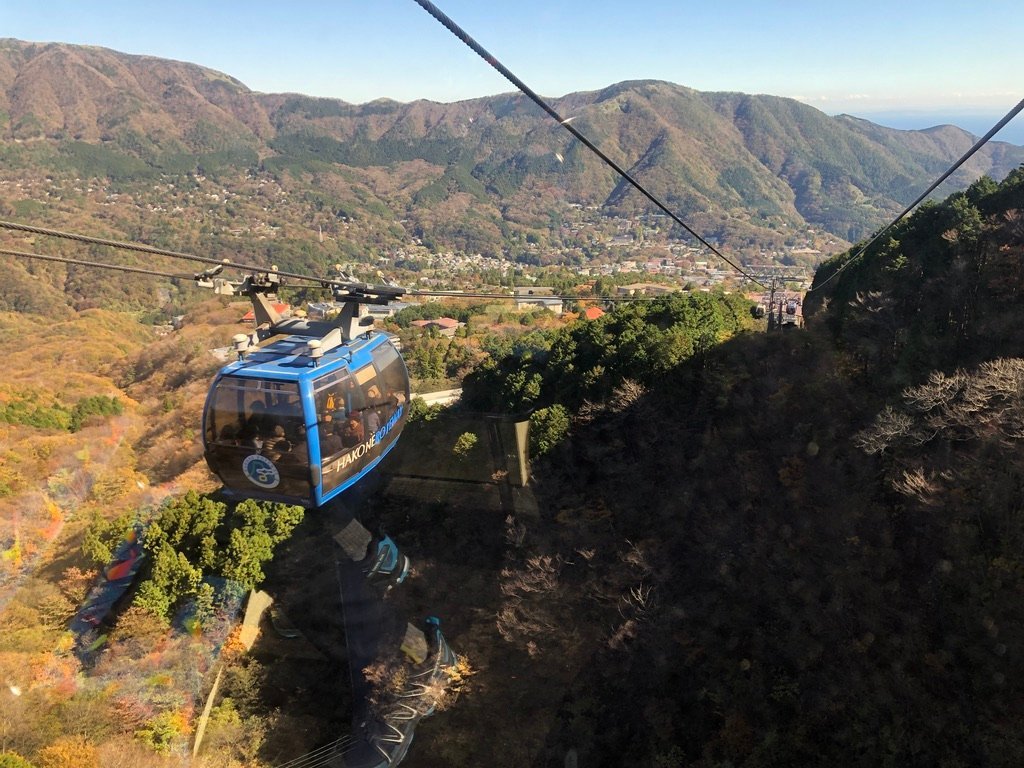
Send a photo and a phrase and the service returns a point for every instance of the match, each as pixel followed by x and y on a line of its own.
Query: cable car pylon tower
pixel 773 279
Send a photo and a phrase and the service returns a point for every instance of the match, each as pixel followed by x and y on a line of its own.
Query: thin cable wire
pixel 156 251
pixel 535 297
pixel 336 750
pixel 324 761
pixel 949 172
pixel 318 757
pixel 99 264
pixel 442 294
pixel 327 751
pixel 460 33
pixel 315 761
pixel 321 762
pixel 137 247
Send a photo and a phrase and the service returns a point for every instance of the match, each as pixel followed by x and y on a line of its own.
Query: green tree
pixel 189 524
pixel 245 555
pixel 522 389
pixel 283 520
pixel 102 537
pixel 981 189
pixel 548 427
pixel 465 443
pixel 161 731
pixel 194 536
pixel 172 580
pixel 966 221
pixel 587 360
pixel 419 409
pixel 95 405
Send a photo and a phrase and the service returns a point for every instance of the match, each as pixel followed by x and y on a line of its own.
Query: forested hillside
pixel 488 175
pixel 737 548
pixel 801 548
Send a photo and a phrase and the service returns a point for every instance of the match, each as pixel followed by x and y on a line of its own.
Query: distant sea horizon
pixel 977 123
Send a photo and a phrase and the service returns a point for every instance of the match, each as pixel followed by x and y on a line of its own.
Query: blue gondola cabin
pixel 295 423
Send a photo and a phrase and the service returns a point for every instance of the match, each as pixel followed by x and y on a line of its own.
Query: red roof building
pixel 279 307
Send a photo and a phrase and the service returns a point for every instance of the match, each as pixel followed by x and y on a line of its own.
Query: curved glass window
pixel 359 414
pixel 335 396
pixel 390 391
pixel 248 418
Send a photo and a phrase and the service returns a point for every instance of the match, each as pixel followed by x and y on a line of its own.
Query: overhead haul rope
pixel 98 264
pixel 978 145
pixel 460 33
pixel 319 756
pixel 534 296
pixel 137 247
pixel 439 294
pixel 247 267
pixel 151 250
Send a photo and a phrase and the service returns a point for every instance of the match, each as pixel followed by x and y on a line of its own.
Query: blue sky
pixel 909 64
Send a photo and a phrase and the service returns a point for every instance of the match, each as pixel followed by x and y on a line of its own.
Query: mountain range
pixel 481 173
pixel 753 550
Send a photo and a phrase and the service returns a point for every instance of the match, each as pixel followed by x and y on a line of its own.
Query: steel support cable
pixel 327 751
pixel 319 760
pixel 315 761
pixel 138 248
pixel 187 276
pixel 331 755
pixel 534 297
pixel 460 33
pixel 949 172
pixel 237 265
pixel 99 264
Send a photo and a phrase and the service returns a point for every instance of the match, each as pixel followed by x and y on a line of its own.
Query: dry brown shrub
pixel 75 583
pixel 988 401
pixel 387 678
pixel 128 752
pixel 441 694
pixel 915 483
pixel 624 395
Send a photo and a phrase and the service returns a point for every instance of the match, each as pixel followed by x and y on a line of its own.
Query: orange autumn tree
pixel 69 752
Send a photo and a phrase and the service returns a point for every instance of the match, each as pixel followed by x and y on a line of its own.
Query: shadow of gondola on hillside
pixel 447 511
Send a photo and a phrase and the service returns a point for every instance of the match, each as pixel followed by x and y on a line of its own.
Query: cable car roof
pixel 286 357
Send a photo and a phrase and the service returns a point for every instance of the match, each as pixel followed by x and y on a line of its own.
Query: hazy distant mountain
pixel 735 163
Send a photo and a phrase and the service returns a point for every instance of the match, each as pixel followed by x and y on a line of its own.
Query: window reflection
pixel 258 416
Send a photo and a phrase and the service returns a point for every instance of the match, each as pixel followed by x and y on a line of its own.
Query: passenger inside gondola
pixel 276 443
pixel 352 434
pixel 330 442
pixel 373 411
pixel 299 448
pixel 229 435
pixel 372 420
pixel 256 426
pixel 353 396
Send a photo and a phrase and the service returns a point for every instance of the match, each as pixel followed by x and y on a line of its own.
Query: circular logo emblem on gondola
pixel 261 471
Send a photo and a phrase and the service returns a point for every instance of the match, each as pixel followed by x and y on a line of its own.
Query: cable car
pixel 309 408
